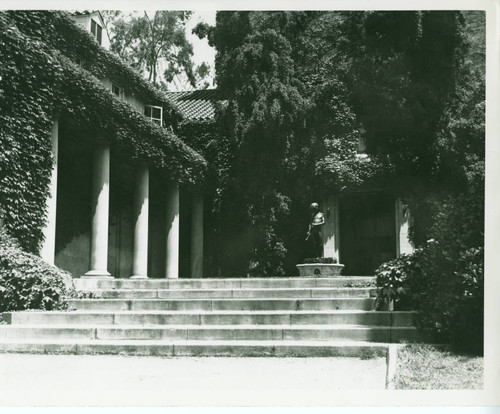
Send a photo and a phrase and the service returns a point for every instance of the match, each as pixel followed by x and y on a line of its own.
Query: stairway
pixel 213 317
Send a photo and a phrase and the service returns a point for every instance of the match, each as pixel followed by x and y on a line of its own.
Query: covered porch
pixel 111 216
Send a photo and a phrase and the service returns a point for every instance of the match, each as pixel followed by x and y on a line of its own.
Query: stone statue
pixel 314 232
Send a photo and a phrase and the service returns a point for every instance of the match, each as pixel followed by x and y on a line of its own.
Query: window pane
pixel 157 113
pixel 99 34
pixel 147 111
pixel 93 25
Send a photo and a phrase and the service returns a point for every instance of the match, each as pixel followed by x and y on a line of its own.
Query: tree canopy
pixel 155 43
pixel 306 91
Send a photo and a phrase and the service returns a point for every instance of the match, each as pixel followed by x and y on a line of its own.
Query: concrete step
pixel 284 348
pixel 332 317
pixel 211 332
pixel 89 284
pixel 276 293
pixel 223 304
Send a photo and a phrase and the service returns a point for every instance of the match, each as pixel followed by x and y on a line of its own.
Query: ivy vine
pixel 39 81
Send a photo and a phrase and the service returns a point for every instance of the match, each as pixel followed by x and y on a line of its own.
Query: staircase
pixel 213 317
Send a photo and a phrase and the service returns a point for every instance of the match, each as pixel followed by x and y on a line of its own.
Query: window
pixel 96 30
pixel 361 141
pixel 155 113
pixel 117 90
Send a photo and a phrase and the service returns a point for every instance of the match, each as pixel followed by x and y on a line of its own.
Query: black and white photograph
pixel 249 205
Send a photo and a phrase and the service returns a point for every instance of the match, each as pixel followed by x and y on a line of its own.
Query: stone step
pixel 350 317
pixel 214 332
pixel 223 304
pixel 283 348
pixel 89 284
pixel 235 293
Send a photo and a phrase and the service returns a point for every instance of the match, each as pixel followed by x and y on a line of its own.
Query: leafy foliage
pixel 277 133
pixel 445 288
pixel 57 31
pixel 392 281
pixel 27 282
pixel 326 260
pixel 144 40
pixel 39 82
pixel 303 89
pixel 448 295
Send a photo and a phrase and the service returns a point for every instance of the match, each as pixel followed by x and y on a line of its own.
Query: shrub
pixel 325 260
pixel 446 290
pixel 448 295
pixel 392 281
pixel 27 282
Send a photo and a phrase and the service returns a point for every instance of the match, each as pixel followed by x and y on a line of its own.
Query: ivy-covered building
pixel 92 175
pixel 95 180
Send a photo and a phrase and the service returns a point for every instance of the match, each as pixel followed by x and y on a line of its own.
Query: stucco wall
pixel 132 100
pixel 84 22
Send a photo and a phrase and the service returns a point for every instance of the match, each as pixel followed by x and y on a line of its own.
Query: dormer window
pixel 155 113
pixel 96 30
pixel 117 90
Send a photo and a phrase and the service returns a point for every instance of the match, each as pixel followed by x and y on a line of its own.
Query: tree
pixel 155 43
pixel 302 89
pixel 277 126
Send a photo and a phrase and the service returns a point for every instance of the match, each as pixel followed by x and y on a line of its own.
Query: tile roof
pixel 195 105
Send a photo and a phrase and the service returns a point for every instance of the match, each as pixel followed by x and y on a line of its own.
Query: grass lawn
pixel 424 367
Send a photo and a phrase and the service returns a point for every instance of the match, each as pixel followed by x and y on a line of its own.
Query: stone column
pixel 141 214
pixel 172 232
pixel 47 252
pixel 330 229
pixel 100 217
pixel 403 244
pixel 197 236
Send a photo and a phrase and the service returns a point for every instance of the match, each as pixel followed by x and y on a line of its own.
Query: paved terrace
pixel 101 380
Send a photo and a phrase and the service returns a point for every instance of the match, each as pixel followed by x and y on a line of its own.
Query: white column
pixel 141 213
pixel 330 229
pixel 197 236
pixel 100 218
pixel 403 244
pixel 172 232
pixel 47 252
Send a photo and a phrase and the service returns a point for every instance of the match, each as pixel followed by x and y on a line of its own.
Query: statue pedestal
pixel 320 269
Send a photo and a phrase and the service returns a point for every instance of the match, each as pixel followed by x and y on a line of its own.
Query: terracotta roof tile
pixel 195 105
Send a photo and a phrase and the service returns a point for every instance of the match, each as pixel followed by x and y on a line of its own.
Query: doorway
pixel 367 231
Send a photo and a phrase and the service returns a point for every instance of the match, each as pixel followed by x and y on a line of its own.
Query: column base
pixel 138 277
pixel 101 274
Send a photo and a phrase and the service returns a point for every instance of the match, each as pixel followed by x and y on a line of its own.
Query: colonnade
pixel 98 266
